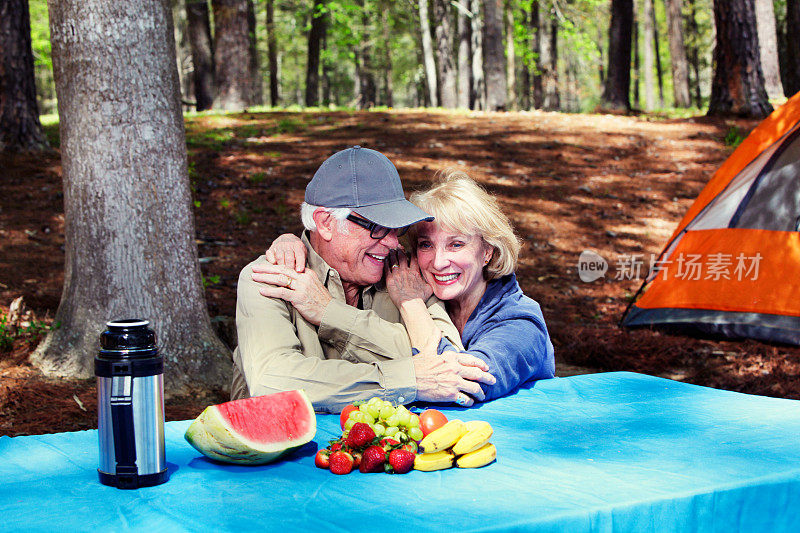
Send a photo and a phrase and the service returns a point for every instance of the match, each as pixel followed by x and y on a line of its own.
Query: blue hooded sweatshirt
pixel 507 330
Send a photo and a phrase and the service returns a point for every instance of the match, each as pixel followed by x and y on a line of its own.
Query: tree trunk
pixel 427 53
pixel 511 58
pixel 694 53
pixel 478 95
pixel 647 41
pixel 536 28
pixel 677 52
pixel 183 55
pixel 202 52
pixel 618 80
pixel 130 249
pixel 367 90
pixel 444 54
pixel 494 61
pixel 257 94
pixel 768 47
pixel 20 129
pixel 315 36
pixel 552 95
pixel 657 50
pixel 464 55
pixel 738 84
pixel 272 55
pixel 232 55
pixel 791 83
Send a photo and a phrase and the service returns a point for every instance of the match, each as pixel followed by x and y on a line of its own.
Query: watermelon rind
pixel 211 435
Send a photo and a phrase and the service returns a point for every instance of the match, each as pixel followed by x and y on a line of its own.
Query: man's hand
pixel 451 377
pixel 403 279
pixel 301 289
pixel 289 251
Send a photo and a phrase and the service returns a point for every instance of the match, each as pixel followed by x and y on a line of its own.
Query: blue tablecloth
pixel 602 452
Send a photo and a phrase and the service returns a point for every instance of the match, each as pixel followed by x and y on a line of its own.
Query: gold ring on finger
pixel 288 282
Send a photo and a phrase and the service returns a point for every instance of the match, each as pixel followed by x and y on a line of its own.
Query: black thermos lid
pixel 128 347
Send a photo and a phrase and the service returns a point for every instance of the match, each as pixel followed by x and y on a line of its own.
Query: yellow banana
pixel 478 433
pixel 428 462
pixel 442 438
pixel 480 457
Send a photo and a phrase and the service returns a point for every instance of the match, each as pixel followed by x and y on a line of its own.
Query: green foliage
pixel 258 177
pixel 210 280
pixel 31 333
pixel 734 137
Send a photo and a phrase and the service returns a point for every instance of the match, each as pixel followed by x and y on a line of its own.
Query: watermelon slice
pixel 255 430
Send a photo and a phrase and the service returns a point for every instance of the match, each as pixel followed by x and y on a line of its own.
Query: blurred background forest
pixel 510 55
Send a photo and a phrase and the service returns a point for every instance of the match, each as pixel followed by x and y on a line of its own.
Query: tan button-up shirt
pixel 354 354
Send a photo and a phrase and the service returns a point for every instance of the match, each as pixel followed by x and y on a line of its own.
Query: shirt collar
pixel 328 275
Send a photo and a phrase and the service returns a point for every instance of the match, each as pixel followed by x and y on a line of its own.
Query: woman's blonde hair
pixel 463 206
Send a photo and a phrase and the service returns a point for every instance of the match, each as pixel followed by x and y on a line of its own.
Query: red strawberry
pixel 360 435
pixel 401 460
pixel 372 460
pixel 389 443
pixel 341 462
pixel 410 446
pixel 336 445
pixel 322 459
pixel 356 459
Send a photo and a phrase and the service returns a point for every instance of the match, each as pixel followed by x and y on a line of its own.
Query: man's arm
pixel 272 358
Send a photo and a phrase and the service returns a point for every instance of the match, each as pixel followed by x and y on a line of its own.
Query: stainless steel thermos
pixel 130 406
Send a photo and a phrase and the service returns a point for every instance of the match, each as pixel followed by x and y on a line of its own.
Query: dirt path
pixel 614 185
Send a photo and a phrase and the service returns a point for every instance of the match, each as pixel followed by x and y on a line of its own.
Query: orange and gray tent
pixel 732 267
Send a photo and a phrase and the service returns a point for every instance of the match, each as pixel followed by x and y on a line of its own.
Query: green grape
pixel 380 430
pixel 363 407
pixel 413 421
pixel 373 410
pixel 393 420
pixel 368 419
pixel 403 418
pixel 401 436
pixel 415 433
pixel 349 423
pixel 375 400
pixel 354 414
pixel 359 416
pixel 386 412
pixel 391 431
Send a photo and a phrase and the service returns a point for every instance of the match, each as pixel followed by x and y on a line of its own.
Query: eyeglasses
pixel 376 231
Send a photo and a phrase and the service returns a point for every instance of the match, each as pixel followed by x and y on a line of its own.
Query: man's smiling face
pixel 357 257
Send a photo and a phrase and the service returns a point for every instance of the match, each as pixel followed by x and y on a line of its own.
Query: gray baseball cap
pixel 366 182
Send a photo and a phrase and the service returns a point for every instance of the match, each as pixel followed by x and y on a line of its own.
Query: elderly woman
pixel 467 258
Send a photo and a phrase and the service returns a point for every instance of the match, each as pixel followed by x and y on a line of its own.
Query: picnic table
pixel 601 452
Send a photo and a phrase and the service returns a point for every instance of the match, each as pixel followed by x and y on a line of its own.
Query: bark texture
pixel 272 55
pixel 199 29
pixel 315 36
pixel 677 52
pixel 478 98
pixel 20 129
pixel 552 93
pixel 494 60
pixel 768 47
pixel 536 27
pixel 618 79
pixel 511 58
pixel 464 55
pixel 737 87
pixel 444 54
pixel 649 59
pixel 427 53
pixel 791 81
pixel 233 55
pixel 130 248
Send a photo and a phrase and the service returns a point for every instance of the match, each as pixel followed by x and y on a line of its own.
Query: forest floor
pixel 617 185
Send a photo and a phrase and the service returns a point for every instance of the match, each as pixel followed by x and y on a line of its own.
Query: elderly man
pixel 341 338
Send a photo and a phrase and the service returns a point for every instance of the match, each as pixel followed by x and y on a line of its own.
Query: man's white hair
pixel 339 213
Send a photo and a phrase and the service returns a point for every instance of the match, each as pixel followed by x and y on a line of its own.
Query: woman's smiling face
pixel 452 263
